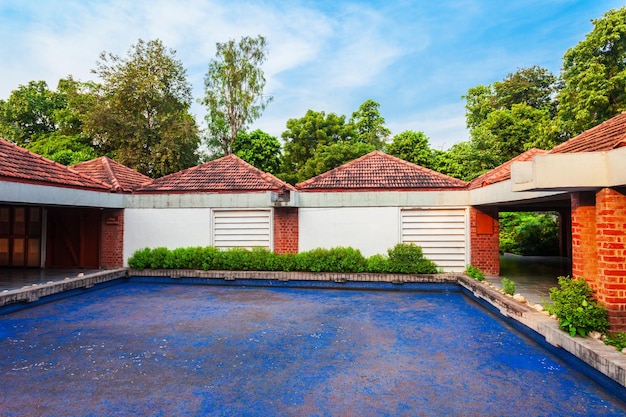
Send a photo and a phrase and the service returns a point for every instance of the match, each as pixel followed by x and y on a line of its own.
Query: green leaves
pixel 577 310
pixel 234 86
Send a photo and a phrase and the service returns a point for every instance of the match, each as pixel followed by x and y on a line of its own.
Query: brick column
pixel 611 256
pixel 112 239
pixel 286 230
pixel 485 240
pixel 584 248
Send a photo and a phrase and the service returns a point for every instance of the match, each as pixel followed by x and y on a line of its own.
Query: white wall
pixel 171 228
pixel 370 229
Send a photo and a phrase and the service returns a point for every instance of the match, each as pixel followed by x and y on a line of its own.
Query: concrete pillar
pixel 485 240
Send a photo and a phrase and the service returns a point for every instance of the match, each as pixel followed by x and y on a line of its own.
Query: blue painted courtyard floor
pixel 152 349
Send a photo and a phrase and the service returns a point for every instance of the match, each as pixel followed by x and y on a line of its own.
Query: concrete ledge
pixel 595 353
pixel 36 291
pixel 604 358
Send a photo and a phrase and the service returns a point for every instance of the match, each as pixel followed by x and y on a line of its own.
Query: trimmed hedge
pixel 403 258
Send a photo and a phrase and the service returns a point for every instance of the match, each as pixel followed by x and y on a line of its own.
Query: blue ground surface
pixel 153 349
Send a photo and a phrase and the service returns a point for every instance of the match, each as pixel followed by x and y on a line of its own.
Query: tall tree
pixel 259 149
pixel 234 87
pixel 141 117
pixel 331 156
pixel 594 75
pixel 369 125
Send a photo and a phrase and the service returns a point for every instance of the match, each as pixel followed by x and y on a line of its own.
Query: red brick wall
pixel 611 255
pixel 286 230
pixel 584 247
pixel 112 239
pixel 485 240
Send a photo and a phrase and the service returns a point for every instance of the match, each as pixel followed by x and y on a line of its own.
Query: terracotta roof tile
pixel 20 165
pixel 608 135
pixel 227 174
pixel 118 176
pixel 503 172
pixel 378 171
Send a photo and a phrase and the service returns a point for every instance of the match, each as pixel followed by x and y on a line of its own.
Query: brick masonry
pixel 112 239
pixel 485 240
pixel 286 233
pixel 599 248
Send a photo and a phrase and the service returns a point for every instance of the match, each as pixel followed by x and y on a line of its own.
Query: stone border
pixel 605 359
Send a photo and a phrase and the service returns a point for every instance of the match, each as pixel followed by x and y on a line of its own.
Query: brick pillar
pixel 112 239
pixel 485 240
pixel 584 248
pixel 611 257
pixel 286 230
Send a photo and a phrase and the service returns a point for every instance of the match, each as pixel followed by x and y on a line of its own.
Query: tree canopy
pixel 259 149
pixel 234 86
pixel 594 75
pixel 141 117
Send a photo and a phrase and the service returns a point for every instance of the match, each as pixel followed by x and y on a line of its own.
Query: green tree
pixel 141 117
pixel 369 125
pixel 234 89
pixel 529 234
pixel 594 75
pixel 305 136
pixel 413 147
pixel 534 86
pixel 331 156
pixel 29 113
pixel 259 149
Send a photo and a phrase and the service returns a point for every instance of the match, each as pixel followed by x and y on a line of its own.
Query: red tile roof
pixel 118 176
pixel 503 172
pixel 19 165
pixel 227 174
pixel 603 137
pixel 378 171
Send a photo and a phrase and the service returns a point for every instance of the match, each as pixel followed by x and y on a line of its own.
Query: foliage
pixel 234 88
pixel 508 286
pixel 616 339
pixel 404 258
pixel 332 156
pixel 413 147
pixel 141 117
pixel 369 125
pixel 594 75
pixel 475 272
pixel 408 258
pixel 259 149
pixel 66 150
pixel 529 233
pixel 576 309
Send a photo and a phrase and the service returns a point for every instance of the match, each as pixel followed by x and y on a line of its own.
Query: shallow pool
pixel 157 349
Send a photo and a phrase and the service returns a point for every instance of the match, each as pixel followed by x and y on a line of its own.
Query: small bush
pixel 616 339
pixel 408 258
pixel 508 286
pixel 141 259
pixel 474 272
pixel 576 309
pixel 378 264
pixel 160 258
pixel 210 258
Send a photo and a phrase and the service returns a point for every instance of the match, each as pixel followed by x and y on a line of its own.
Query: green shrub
pixel 141 259
pixel 210 258
pixel 346 260
pixel 616 339
pixel 508 286
pixel 576 309
pixel 474 272
pixel 159 258
pixel 378 263
pixel 408 258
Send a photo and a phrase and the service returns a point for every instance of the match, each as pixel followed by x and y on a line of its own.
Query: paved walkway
pixel 533 275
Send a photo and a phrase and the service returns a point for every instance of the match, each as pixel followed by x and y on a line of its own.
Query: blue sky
pixel 415 58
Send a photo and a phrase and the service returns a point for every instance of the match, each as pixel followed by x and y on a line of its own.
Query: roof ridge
pixel 265 175
pixel 432 171
pixel 106 163
pixel 58 165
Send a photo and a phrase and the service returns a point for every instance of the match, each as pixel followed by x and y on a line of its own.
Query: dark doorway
pixel 20 236
pixel 73 239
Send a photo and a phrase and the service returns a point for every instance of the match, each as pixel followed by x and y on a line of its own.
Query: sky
pixel 415 58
